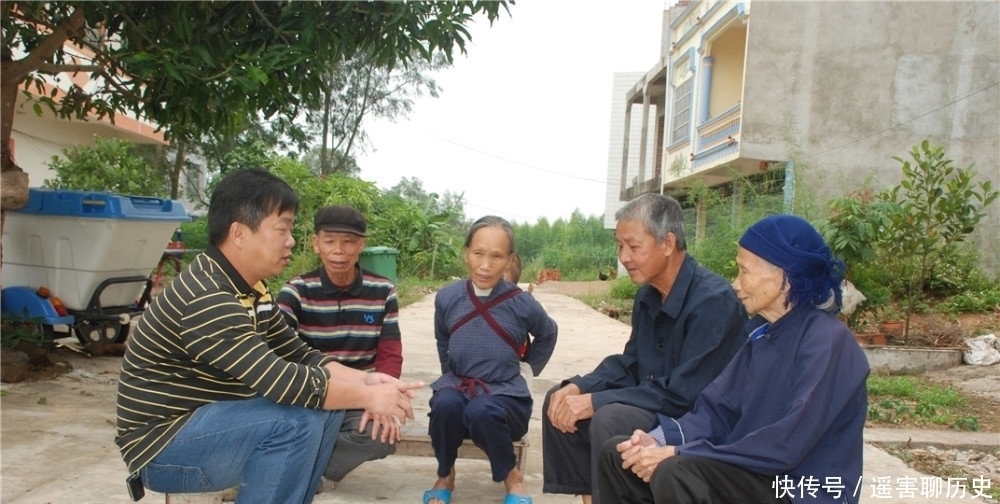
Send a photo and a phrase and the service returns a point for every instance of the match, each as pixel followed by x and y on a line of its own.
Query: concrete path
pixel 56 437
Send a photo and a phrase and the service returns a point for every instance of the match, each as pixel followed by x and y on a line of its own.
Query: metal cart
pixel 81 261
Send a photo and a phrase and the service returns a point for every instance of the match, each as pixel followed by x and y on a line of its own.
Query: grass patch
pixel 616 303
pixel 619 309
pixel 411 290
pixel 910 401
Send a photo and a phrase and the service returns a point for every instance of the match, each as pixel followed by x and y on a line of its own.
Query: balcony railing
pixel 718 137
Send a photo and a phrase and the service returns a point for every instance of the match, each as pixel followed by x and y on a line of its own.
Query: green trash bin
pixel 381 260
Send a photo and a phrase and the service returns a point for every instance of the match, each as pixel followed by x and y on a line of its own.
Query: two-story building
pixel 818 96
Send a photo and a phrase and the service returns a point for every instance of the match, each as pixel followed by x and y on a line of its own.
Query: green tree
pixel 412 189
pixel 358 88
pixel 193 67
pixel 429 229
pixel 934 208
pixel 324 161
pixel 856 225
pixel 579 247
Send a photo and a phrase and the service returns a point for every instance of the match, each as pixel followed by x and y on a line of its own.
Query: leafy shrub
pixel 714 244
pixel 966 424
pixel 110 165
pixel 981 301
pixel 954 273
pixel 16 329
pixel 195 233
pixel 624 288
pixel 873 280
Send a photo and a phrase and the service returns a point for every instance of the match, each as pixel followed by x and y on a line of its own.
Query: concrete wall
pixel 34 151
pixel 621 83
pixel 910 361
pixel 727 78
pixel 840 88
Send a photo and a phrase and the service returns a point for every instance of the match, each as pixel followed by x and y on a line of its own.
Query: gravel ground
pixel 952 463
pixel 976 381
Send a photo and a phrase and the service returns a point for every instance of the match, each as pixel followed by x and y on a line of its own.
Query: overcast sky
pixel 521 124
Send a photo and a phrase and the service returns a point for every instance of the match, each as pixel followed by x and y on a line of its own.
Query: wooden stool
pixel 419 445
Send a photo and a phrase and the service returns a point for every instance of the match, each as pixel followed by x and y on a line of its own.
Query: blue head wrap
pixel 792 244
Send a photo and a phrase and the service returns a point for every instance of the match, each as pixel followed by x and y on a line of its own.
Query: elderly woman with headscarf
pixel 784 420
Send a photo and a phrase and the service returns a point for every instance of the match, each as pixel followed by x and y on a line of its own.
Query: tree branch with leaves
pixel 196 67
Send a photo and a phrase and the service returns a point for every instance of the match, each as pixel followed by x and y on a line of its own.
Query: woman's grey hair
pixel 660 214
pixel 487 221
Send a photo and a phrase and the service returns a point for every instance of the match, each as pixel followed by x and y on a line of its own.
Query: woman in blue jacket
pixel 482 327
pixel 784 420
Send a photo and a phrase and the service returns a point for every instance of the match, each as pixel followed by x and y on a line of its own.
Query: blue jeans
pixel 274 452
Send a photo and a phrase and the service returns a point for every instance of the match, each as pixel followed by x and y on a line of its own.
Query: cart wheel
pixel 100 331
pixel 48 335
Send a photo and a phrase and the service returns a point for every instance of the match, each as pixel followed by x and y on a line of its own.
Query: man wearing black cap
pixel 215 389
pixel 350 314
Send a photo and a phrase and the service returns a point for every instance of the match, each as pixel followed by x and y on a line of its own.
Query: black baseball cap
pixel 340 219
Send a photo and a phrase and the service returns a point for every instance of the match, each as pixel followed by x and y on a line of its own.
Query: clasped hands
pixel 388 411
pixel 641 454
pixel 567 406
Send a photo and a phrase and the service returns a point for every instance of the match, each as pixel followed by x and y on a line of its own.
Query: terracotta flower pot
pixel 893 328
pixel 871 338
pixel 880 339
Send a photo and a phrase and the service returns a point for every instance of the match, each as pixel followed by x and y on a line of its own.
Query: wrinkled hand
pixel 384 428
pixel 377 378
pixel 391 399
pixel 641 455
pixel 567 406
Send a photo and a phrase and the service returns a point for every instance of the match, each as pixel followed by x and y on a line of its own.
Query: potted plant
pixel 892 322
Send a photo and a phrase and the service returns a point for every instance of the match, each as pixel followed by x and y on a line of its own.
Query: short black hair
pixel 247 196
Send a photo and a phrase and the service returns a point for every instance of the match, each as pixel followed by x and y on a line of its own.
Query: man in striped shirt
pixel 216 390
pixel 352 315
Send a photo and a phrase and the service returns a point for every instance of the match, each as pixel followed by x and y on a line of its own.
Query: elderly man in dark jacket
pixel 686 325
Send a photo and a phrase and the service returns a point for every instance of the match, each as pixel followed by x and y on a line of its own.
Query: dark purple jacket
pixel 791 403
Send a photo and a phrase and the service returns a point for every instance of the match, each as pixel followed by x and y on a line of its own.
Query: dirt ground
pixel 576 289
pixel 56 432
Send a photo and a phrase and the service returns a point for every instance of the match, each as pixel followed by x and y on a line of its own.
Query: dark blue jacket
pixel 791 403
pixel 676 346
pixel 475 350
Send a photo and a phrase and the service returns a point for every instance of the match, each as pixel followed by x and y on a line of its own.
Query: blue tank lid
pixel 102 205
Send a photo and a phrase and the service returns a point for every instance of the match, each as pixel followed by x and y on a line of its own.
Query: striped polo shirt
pixel 345 323
pixel 208 337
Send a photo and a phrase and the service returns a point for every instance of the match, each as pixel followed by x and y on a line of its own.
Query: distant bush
pixel 624 288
